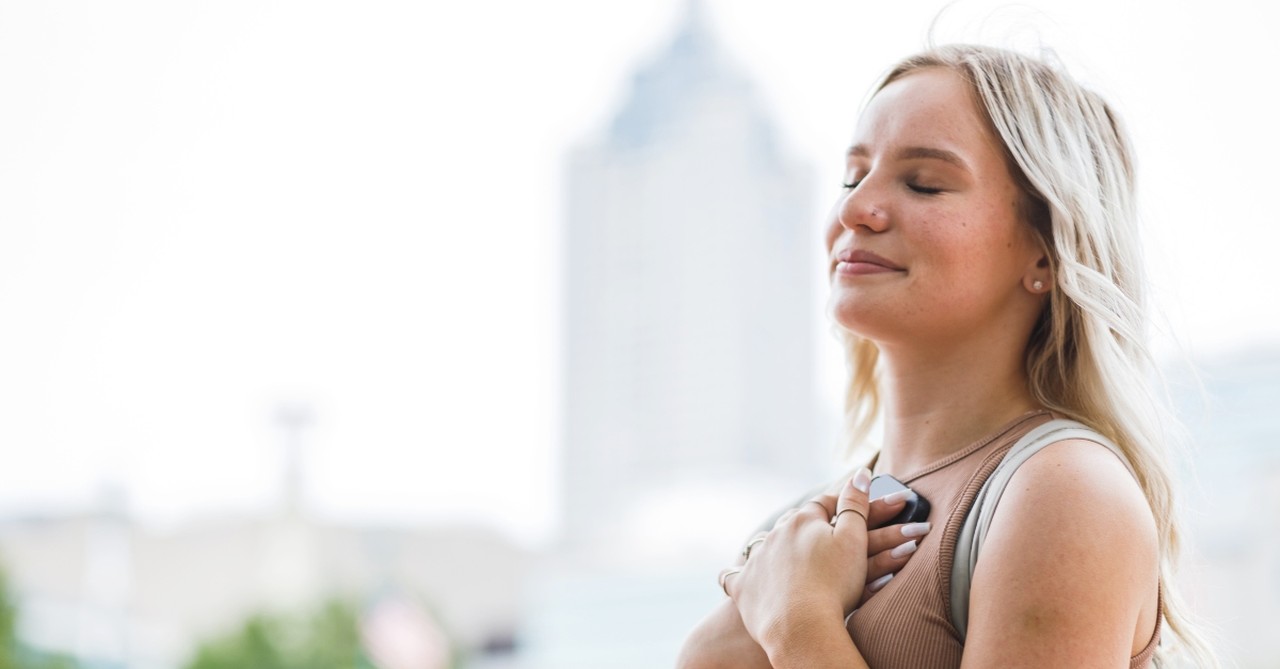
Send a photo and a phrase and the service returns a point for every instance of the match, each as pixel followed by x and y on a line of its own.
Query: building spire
pixel 695 16
pixel 293 419
pixel 694 32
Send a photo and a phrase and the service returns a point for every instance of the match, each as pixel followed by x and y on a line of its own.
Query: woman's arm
pixel 721 641
pixel 1069 571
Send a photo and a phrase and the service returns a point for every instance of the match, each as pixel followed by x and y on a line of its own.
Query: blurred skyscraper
pixel 689 341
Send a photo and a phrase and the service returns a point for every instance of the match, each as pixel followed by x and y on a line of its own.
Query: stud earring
pixel 1037 285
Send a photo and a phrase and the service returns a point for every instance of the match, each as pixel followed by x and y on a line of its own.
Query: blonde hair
pixel 1086 357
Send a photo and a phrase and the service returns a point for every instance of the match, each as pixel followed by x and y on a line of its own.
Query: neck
pixel 937 403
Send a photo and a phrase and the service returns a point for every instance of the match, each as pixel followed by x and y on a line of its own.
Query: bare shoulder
pixel 1080 485
pixel 1069 572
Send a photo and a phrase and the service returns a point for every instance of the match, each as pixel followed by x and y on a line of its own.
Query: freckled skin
pixel 965 249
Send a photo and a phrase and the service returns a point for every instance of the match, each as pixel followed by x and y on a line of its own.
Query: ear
pixel 1038 279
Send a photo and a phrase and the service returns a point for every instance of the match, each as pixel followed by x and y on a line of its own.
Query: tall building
pixel 689 340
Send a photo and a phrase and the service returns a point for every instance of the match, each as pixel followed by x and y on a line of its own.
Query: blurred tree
pixel 13 653
pixel 8 619
pixel 328 638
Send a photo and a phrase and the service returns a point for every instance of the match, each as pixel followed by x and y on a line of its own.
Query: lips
pixel 863 256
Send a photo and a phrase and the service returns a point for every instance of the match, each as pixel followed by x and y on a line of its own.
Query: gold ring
pixel 724 575
pixel 837 517
pixel 746 552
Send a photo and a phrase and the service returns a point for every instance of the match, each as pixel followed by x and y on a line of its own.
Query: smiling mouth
pixel 861 261
pixel 862 268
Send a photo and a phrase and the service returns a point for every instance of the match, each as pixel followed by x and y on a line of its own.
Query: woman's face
pixel 928 192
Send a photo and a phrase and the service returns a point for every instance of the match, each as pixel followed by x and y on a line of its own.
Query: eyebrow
pixel 915 152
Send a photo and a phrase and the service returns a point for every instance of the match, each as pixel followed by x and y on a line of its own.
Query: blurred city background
pixel 416 335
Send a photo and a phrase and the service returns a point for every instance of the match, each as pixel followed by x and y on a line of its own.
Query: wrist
pixel 809 635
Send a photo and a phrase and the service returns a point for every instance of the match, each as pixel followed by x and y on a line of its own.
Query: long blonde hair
pixel 1087 356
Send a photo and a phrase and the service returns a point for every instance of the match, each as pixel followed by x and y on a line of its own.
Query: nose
pixel 862 208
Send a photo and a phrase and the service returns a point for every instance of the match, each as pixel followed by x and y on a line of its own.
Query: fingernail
pixel 862 479
pixel 915 529
pixel 904 550
pixel 875 585
pixel 897 496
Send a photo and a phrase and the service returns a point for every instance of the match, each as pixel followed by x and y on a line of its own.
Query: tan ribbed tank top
pixel 907 624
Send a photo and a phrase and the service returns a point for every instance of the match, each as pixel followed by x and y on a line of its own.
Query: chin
pixel 862 320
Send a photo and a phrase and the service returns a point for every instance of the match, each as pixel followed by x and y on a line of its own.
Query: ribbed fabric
pixel 907 624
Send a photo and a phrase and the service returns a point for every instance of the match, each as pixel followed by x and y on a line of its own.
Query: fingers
pixel 878 584
pixel 822 506
pixel 884 567
pixel 873 587
pixel 888 538
pixel 889 549
pixel 889 562
pixel 755 541
pixel 819 506
pixel 853 506
pixel 883 509
pixel 786 516
pixel 726 579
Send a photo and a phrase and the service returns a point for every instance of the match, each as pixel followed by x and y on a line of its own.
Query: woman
pixel 985 278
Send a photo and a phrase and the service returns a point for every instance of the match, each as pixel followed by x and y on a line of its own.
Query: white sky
pixel 207 209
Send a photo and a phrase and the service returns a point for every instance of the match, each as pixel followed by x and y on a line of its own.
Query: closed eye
pixel 924 190
pixel 851 185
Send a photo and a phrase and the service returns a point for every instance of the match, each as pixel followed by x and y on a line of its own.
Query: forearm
pixel 813 641
pixel 721 641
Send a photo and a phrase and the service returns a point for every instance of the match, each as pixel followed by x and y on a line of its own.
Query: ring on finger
pixel 842 511
pixel 746 552
pixel 724 576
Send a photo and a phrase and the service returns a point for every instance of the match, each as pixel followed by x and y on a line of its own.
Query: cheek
pixel 968 253
pixel 834 228
pixel 948 242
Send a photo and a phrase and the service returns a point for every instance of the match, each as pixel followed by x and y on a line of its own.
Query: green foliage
pixel 328 638
pixel 8 620
pixel 14 654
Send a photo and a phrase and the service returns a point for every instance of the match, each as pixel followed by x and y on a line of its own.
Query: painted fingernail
pixel 904 550
pixel 897 496
pixel 862 479
pixel 875 585
pixel 915 529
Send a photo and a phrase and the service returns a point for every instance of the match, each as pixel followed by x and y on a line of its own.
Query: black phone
pixel 917 507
